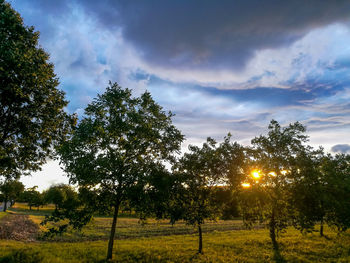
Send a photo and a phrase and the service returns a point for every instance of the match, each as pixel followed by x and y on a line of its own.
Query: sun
pixel 256 174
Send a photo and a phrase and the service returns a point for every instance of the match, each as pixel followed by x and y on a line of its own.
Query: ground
pixel 158 241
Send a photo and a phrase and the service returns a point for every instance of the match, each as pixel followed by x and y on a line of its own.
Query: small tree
pixel 117 144
pixel 273 170
pixel 32 112
pixel 201 170
pixel 11 190
pixel 59 194
pixel 32 197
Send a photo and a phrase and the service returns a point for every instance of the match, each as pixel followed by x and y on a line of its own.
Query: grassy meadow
pixel 159 241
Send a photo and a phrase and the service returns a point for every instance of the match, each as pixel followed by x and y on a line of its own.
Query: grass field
pixel 158 241
pixel 2 214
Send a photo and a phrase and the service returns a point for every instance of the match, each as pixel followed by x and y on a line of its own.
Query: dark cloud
pixel 201 34
pixel 341 148
pixel 207 34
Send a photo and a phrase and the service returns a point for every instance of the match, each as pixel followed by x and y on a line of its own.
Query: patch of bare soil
pixel 18 227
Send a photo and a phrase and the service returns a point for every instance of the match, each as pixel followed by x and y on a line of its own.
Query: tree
pixel 273 170
pixel 116 145
pixel 309 193
pixel 32 112
pixel 32 197
pixel 76 208
pixel 321 193
pixel 336 185
pixel 201 171
pixel 59 195
pixel 11 190
pixel 227 200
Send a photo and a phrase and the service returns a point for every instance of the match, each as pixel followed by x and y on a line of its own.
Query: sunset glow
pixel 245 185
pixel 256 174
pixel 272 174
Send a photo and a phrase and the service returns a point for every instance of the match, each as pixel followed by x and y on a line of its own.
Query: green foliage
pixel 60 195
pixel 201 170
pixel 32 197
pixel 70 206
pixel 276 158
pixel 227 202
pixel 116 146
pixel 31 107
pixel 11 190
pixel 309 195
pixel 336 189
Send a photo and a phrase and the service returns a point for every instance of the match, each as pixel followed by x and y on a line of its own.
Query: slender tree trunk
pixel 200 239
pixel 5 204
pixel 321 227
pixel 272 226
pixel 112 234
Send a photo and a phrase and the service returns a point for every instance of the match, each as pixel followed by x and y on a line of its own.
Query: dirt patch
pixel 18 227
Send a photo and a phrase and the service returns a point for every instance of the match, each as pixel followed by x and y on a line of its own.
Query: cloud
pixel 207 34
pixel 341 148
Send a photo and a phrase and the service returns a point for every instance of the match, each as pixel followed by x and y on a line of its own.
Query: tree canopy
pixel 202 170
pixel 274 167
pixel 117 145
pixel 32 112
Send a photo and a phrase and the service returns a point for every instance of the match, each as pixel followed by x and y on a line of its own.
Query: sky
pixel 220 66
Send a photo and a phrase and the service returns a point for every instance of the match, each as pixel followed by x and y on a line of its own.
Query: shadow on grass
pixel 277 257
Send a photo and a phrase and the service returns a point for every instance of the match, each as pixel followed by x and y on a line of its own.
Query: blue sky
pixel 220 66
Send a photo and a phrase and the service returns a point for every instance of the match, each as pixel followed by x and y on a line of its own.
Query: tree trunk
pixel 5 204
pixel 112 234
pixel 200 240
pixel 321 227
pixel 272 226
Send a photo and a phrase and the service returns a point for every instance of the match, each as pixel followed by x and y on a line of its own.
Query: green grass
pixel 227 246
pixel 99 228
pixel 23 209
pixel 2 214
pixel 158 241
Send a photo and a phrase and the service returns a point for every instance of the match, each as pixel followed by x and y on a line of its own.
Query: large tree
pixel 117 145
pixel 31 107
pixel 275 167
